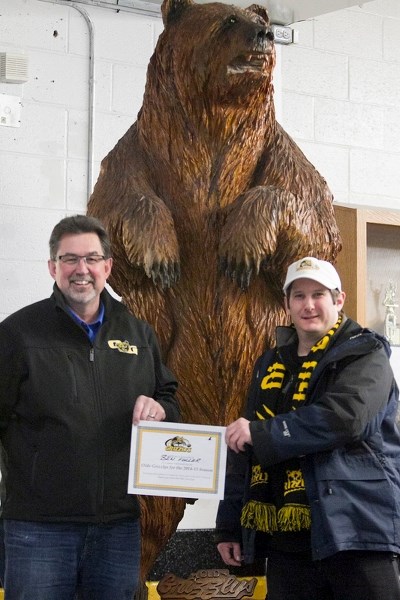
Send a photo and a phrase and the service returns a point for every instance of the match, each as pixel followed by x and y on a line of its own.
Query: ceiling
pixel 305 9
pixel 283 12
pixel 286 12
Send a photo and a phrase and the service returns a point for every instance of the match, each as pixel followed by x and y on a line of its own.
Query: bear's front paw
pixel 240 272
pixel 156 254
pixel 149 242
pixel 248 236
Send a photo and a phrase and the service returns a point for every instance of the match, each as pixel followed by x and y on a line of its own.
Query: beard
pixel 83 294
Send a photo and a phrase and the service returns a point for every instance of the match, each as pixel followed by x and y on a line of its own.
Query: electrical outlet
pixel 282 34
pixel 10 110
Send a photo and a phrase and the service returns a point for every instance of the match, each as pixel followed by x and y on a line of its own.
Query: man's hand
pixel 230 553
pixel 147 409
pixel 238 434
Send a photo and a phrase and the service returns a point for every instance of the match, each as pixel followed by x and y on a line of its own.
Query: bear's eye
pixel 231 20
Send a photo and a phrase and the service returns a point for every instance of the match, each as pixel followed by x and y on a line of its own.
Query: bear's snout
pixel 263 38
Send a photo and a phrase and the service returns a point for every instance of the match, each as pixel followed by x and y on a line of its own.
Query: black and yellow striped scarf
pixel 278 500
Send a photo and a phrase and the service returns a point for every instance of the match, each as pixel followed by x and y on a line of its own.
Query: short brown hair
pixel 75 225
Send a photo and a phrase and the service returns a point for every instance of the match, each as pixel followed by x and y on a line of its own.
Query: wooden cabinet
pixel 369 261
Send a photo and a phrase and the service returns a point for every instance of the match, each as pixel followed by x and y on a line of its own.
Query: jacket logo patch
pixel 124 347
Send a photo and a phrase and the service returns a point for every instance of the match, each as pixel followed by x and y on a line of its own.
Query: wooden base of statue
pixel 205 585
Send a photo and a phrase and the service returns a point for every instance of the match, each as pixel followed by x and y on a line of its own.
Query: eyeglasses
pixel 74 259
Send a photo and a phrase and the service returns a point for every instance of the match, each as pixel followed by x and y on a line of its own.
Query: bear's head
pixel 213 51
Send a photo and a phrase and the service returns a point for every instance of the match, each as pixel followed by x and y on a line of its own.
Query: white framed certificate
pixel 176 459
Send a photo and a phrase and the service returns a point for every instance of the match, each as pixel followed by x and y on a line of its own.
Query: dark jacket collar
pixel 110 304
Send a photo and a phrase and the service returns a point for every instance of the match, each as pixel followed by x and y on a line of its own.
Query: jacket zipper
pixel 100 499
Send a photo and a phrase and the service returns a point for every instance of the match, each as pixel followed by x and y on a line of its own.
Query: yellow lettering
pixel 311 363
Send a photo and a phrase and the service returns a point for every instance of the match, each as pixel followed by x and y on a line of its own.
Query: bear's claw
pixel 165 275
pixel 240 273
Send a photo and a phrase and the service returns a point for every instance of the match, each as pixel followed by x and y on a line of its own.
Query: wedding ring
pixel 151 416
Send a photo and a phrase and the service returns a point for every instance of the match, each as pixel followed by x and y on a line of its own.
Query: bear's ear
pixel 260 11
pixel 171 9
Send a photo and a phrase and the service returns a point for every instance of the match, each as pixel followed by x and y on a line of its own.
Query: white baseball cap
pixel 317 270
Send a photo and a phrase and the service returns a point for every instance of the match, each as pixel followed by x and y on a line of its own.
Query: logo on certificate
pixel 178 444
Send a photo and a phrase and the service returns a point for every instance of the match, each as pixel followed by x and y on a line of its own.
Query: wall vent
pixel 13 68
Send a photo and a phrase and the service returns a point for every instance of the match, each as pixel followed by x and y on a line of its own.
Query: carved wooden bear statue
pixel 207 200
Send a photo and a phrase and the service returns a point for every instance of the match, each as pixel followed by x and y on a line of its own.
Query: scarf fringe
pixel 259 516
pixel 294 517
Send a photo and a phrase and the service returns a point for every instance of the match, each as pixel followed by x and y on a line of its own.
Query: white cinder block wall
pixel 341 100
pixel 339 97
pixel 44 162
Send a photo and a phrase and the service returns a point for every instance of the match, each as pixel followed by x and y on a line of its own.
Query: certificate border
pixel 136 486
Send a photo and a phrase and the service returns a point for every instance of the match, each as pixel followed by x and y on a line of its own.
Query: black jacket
pixel 66 410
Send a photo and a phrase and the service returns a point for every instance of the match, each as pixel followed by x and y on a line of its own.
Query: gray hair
pixel 75 225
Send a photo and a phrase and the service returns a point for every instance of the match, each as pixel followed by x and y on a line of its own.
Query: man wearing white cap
pixel 313 479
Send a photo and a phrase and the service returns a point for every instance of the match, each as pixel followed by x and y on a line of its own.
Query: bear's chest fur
pixel 207 200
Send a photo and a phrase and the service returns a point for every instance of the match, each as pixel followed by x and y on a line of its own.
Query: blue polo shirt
pixel 90 328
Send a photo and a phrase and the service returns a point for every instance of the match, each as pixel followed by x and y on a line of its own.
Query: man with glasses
pixel 75 371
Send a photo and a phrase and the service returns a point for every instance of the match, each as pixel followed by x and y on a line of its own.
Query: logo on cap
pixel 307 263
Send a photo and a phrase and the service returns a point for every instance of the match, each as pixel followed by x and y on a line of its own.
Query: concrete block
pixel 349 32
pixel 32 182
pixel 128 83
pixel 44 25
pixel 374 82
pixel 24 233
pixel 374 172
pixel 333 164
pixel 298 115
pixel 42 131
pixel 77 193
pixel 349 124
pixel 391 40
pixel 26 282
pixel 314 72
pixel 58 79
